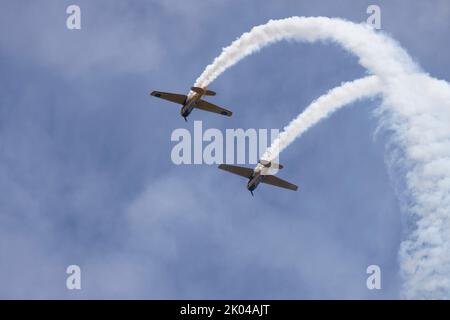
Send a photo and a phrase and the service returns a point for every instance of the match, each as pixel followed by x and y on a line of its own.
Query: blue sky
pixel 86 176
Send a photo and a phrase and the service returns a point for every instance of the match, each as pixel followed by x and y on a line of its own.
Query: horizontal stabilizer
pixel 210 93
pixel 203 92
pixel 271 164
pixel 198 90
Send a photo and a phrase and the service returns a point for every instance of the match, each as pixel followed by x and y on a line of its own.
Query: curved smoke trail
pixel 321 108
pixel 378 53
pixel 416 108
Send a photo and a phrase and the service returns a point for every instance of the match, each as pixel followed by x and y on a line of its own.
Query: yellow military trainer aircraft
pixel 192 101
pixel 259 174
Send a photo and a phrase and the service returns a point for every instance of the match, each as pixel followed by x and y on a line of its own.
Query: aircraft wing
pixel 172 97
pixel 275 181
pixel 240 171
pixel 207 106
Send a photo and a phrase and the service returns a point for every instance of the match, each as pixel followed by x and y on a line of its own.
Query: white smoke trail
pixel 378 53
pixel 320 109
pixel 416 108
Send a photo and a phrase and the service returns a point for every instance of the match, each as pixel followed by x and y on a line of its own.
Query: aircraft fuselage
pixel 254 181
pixel 189 105
pixel 260 174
